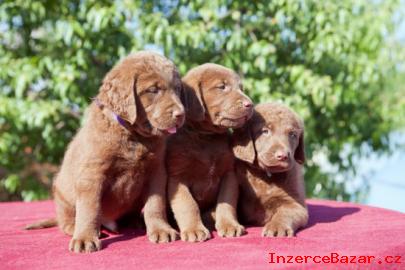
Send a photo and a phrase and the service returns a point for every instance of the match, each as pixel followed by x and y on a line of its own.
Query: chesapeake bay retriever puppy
pixel 270 153
pixel 115 163
pixel 199 156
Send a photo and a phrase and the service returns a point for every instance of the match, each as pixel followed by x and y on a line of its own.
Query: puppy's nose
pixel 247 104
pixel 178 114
pixel 282 155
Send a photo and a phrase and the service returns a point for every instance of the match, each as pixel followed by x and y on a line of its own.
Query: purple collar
pixel 112 114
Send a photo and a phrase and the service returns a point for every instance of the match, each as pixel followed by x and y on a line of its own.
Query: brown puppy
pixel 115 163
pixel 199 155
pixel 270 149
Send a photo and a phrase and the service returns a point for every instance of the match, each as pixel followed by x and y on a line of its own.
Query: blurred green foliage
pixel 336 62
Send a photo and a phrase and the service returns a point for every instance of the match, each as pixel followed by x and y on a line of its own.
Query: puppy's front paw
pixel 227 229
pixel 79 245
pixel 278 229
pixel 198 234
pixel 162 235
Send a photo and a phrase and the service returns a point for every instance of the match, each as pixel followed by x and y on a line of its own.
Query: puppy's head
pixel 144 89
pixel 274 138
pixel 213 95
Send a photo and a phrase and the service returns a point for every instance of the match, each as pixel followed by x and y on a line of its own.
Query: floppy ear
pixel 299 154
pixel 118 93
pixel 243 145
pixel 193 102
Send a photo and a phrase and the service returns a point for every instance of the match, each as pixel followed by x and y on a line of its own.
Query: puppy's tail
pixel 48 223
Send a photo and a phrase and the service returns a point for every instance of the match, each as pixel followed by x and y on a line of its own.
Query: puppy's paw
pixel 162 235
pixel 198 234
pixel 227 229
pixel 277 229
pixel 79 245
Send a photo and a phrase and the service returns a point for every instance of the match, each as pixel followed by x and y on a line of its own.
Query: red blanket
pixel 338 236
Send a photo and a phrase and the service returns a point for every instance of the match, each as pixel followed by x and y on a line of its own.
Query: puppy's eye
pixel 293 135
pixel 221 86
pixel 265 131
pixel 152 90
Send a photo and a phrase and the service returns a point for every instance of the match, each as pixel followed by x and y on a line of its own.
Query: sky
pixel 386 176
pixel 388 183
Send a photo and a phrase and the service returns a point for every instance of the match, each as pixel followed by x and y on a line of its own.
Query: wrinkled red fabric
pixel 334 227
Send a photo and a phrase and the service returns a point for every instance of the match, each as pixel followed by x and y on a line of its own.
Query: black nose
pixel 282 155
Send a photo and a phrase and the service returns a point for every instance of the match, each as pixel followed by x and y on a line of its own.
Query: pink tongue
pixel 172 130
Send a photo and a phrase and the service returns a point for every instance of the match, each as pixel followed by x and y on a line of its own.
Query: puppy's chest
pixel 135 155
pixel 263 187
pixel 217 164
pixel 212 167
pixel 216 158
pixel 130 170
pixel 257 189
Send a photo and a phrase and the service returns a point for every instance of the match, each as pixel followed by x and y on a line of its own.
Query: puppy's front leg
pixel 88 211
pixel 157 227
pixel 226 222
pixel 186 213
pixel 286 220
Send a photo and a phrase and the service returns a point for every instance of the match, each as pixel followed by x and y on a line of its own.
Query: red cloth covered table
pixel 341 228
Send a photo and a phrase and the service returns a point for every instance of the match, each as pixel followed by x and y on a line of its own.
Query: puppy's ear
pixel 192 101
pixel 299 154
pixel 243 145
pixel 118 93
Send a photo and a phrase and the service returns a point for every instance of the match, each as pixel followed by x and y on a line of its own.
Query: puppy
pixel 199 156
pixel 270 153
pixel 115 163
